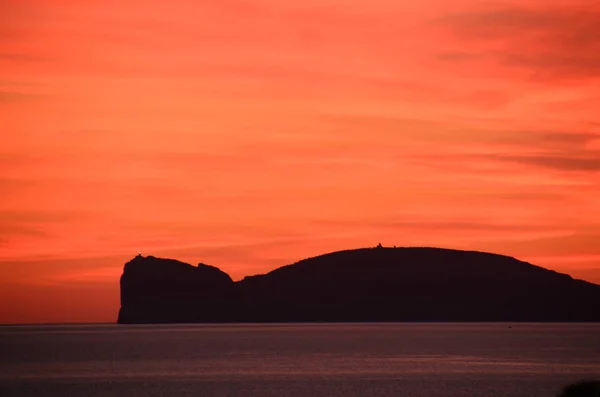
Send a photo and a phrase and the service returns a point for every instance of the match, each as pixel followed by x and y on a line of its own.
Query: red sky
pixel 251 134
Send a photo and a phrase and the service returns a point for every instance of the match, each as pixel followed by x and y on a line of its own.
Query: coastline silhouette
pixel 361 285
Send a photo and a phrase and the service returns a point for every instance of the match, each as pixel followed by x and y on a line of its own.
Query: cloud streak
pixel 14 96
pixel 554 42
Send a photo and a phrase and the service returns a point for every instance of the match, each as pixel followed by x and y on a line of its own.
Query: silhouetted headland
pixel 369 284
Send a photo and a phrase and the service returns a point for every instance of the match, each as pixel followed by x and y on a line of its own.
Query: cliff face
pixel 166 290
pixel 378 284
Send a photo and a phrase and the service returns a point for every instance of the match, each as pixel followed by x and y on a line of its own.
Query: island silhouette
pixel 363 285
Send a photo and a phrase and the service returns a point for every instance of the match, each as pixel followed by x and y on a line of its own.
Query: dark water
pixel 412 360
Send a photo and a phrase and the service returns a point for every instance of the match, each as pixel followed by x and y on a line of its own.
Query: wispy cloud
pixel 13 96
pixel 576 162
pixel 554 42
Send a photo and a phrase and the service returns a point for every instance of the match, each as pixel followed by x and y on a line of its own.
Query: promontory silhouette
pixel 369 284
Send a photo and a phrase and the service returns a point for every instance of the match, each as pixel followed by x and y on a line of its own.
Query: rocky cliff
pixel 372 284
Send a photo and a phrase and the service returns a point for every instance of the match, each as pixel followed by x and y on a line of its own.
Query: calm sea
pixel 412 360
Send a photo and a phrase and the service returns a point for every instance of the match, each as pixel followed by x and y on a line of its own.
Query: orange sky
pixel 251 134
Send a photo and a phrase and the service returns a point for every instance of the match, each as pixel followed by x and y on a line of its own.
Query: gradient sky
pixel 251 134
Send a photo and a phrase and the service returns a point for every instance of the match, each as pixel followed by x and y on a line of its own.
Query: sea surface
pixel 412 360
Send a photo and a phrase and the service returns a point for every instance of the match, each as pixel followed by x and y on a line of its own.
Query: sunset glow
pixel 252 134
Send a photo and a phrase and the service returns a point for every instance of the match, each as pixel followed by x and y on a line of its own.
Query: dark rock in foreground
pixel 372 284
pixel 582 389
